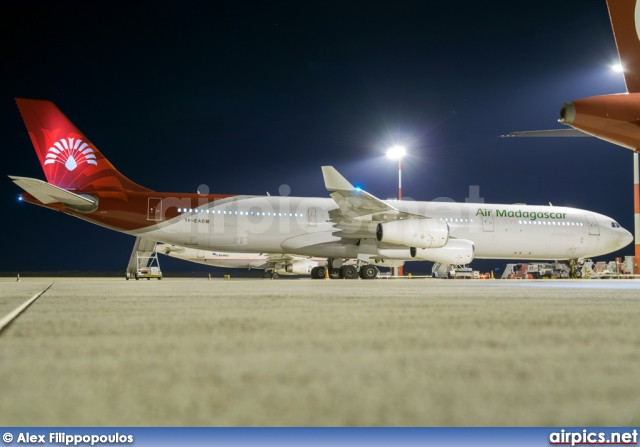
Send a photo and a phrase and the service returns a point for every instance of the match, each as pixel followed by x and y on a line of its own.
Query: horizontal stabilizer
pixel 547 133
pixel 48 193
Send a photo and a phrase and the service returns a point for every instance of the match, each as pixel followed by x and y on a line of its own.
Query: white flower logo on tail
pixel 70 152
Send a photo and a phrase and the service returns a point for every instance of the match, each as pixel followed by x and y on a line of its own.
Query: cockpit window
pixel 615 225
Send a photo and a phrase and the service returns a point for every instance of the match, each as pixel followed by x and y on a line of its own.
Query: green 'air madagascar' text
pixel 531 215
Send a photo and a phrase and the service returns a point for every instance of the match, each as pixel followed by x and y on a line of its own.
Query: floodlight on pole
pixel 396 153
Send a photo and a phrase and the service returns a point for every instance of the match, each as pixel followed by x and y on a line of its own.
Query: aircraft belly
pixel 512 242
pixel 301 241
pixel 329 250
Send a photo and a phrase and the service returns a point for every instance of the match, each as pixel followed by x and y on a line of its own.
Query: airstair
pixel 520 271
pixel 440 270
pixel 144 262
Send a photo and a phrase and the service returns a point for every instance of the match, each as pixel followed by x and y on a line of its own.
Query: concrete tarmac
pixel 419 352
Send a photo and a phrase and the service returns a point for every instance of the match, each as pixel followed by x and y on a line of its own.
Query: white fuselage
pixel 301 226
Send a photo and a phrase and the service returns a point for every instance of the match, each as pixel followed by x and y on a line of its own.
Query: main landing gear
pixel 271 274
pixel 348 271
pixel 318 272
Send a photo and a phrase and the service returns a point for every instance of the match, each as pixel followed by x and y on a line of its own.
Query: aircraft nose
pixel 622 238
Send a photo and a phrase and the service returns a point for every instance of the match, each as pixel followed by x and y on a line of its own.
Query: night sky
pixel 247 96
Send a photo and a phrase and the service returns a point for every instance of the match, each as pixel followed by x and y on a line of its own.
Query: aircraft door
pixel 594 229
pixel 154 208
pixel 311 217
pixel 487 223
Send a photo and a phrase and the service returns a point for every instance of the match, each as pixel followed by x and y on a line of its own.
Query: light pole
pixel 396 153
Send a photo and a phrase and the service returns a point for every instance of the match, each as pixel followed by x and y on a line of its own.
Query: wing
pixel 358 212
pixel 547 133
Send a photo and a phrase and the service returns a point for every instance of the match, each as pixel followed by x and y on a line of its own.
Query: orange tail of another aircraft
pixel 68 158
pixel 625 20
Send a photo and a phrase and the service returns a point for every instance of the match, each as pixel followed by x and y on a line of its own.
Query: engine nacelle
pixel 420 233
pixel 301 267
pixel 456 252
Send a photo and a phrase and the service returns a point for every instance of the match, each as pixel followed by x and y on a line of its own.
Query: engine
pixel 456 252
pixel 421 233
pixel 567 113
pixel 301 267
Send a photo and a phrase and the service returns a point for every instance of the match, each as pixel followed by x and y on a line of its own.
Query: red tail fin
pixel 68 158
pixel 625 20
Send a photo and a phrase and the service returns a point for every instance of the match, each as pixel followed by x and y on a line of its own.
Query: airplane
pixel 613 118
pixel 352 224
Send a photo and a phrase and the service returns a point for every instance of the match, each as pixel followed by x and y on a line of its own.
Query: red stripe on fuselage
pixel 128 211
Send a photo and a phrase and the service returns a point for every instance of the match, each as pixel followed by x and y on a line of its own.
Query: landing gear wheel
pixel 266 275
pixel 368 272
pixel 334 273
pixel 318 272
pixel 349 271
pixel 275 275
pixel 578 273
